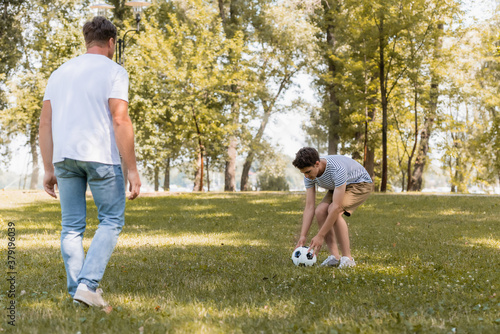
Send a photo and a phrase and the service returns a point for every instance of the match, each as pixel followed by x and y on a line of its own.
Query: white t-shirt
pixel 82 126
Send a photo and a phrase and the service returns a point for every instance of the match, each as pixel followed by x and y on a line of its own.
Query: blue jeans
pixel 108 190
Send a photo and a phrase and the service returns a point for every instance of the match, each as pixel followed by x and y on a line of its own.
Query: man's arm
pixel 334 210
pixel 308 215
pixel 124 136
pixel 46 147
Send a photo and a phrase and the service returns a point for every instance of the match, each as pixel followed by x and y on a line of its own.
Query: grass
pixel 220 263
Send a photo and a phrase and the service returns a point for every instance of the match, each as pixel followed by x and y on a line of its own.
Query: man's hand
pixel 301 242
pixel 49 180
pixel 135 184
pixel 316 243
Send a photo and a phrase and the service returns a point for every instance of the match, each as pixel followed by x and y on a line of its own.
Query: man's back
pixel 79 92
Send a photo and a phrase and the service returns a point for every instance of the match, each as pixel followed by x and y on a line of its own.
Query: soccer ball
pixel 301 257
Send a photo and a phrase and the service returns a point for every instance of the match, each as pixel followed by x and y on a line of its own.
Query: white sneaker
pixel 90 298
pixel 331 261
pixel 346 262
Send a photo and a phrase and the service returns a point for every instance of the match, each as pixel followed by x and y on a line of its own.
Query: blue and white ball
pixel 301 257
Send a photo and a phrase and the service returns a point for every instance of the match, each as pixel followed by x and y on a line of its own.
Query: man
pixel 84 127
pixel 348 185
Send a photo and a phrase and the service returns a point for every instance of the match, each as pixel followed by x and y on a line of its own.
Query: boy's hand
pixel 301 242
pixel 316 243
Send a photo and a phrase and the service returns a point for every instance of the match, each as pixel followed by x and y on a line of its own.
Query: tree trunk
pixel 208 174
pixel 333 135
pixel 198 179
pixel 421 160
pixel 356 155
pixel 370 162
pixel 425 135
pixel 333 104
pixel 230 172
pixel 453 178
pixel 369 150
pixel 429 119
pixel 231 25
pixel 495 135
pixel 221 11
pixel 410 158
pixel 166 181
pixel 251 154
pixel 383 96
pixel 459 170
pixel 369 156
pixel 157 178
pixel 246 170
pixel 34 158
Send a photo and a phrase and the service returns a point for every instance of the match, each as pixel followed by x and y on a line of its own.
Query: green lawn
pixel 220 263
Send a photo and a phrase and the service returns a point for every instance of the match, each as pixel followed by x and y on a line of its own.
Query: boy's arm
pixel 334 210
pixel 308 215
pixel 46 148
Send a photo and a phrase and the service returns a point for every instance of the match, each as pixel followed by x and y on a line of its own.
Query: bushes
pixel 271 182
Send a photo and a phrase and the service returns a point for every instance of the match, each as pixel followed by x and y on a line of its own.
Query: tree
pixel 430 117
pixel 51 38
pixel 329 19
pixel 235 21
pixel 283 49
pixel 11 41
pixel 272 171
pixel 487 88
pixel 182 99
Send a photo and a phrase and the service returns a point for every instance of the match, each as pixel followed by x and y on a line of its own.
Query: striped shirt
pixel 339 170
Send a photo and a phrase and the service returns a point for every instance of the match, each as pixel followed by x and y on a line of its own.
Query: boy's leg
pixel 108 189
pixel 321 215
pixel 342 234
pixel 356 194
pixel 72 184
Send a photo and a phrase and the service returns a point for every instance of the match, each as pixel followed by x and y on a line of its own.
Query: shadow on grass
pixel 177 214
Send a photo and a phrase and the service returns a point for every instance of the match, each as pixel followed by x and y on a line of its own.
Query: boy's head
pixel 306 157
pixel 307 160
pixel 101 32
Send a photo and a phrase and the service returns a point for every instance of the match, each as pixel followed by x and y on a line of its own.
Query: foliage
pixel 207 76
pixel 176 83
pixel 272 167
pixel 373 55
pixel 282 48
pixel 484 90
pixel 51 37
pixel 11 41
pixel 272 182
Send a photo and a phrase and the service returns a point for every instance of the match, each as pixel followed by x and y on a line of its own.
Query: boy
pixel 348 184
